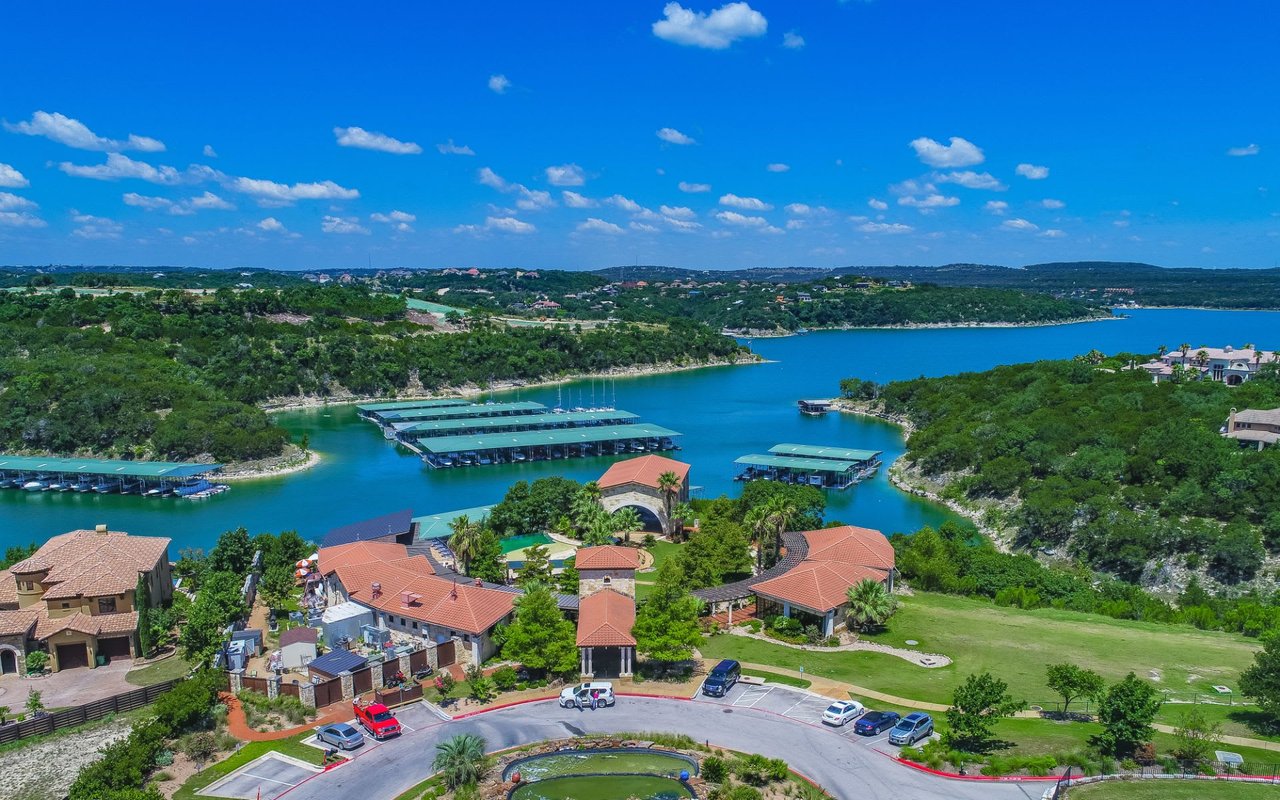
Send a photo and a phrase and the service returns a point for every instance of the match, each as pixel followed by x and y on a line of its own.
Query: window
pixel 415 625
pixel 607 581
pixel 106 605
pixel 66 605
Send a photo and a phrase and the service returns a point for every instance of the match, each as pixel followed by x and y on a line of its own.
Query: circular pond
pixel 603 787
pixel 602 775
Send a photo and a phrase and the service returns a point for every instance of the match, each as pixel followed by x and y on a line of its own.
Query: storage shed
pixel 334 663
pixel 344 621
pixel 298 647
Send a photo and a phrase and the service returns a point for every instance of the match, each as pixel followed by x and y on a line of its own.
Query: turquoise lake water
pixel 723 412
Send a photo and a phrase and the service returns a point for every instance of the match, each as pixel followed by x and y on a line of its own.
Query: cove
pixel 723 412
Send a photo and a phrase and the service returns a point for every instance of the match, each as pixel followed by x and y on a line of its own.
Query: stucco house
pixel 74 597
pixel 1224 364
pixel 1253 427
pixel 634 483
pixel 298 647
pixel 606 610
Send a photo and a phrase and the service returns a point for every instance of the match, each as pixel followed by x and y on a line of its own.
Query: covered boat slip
pixel 406 431
pixel 542 445
pixel 822 472
pixel 376 410
pixel 813 451
pixel 153 478
pixel 464 411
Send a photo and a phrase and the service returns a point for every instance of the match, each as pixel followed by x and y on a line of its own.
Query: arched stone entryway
pixel 9 659
pixel 651 512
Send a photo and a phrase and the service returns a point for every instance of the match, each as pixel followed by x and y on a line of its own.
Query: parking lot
pixel 796 704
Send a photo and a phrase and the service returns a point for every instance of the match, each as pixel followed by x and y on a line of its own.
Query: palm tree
pixel 1202 358
pixel 585 509
pixel 669 485
pixel 461 760
pixel 465 540
pixel 1185 347
pixel 683 512
pixel 1161 350
pixel 870 605
pixel 599 531
pixel 767 522
pixel 626 521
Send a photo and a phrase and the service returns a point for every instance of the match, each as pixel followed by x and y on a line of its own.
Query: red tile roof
pixel 18 623
pixel 609 556
pixel 605 619
pixel 838 558
pixel 643 470
pixel 93 563
pixel 8 590
pixel 100 625
pixel 372 553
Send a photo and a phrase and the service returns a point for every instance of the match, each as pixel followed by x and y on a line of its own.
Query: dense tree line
pixel 172 375
pixel 1099 459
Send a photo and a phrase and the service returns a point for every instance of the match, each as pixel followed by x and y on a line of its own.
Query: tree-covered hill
pixel 1121 472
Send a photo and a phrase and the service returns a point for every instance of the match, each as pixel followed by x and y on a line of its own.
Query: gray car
pixel 340 735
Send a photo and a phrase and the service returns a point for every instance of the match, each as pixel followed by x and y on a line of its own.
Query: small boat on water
pixel 104 487
pixel 814 408
pixel 517 457
pixel 35 486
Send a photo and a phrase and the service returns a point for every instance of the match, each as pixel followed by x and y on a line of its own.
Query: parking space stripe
pixel 264 778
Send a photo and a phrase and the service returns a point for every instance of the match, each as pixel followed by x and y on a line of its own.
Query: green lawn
pixel 1173 790
pixel 773 677
pixel 1013 644
pixel 172 667
pixel 1235 720
pixel 292 746
pixel 661 551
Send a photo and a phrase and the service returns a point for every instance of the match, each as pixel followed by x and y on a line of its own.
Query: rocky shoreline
pixel 294 459
pixel 911 326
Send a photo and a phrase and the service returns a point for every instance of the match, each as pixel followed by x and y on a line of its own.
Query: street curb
pixel 955 776
pixel 480 711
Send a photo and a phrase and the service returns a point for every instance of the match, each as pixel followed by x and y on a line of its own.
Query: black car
pixel 876 722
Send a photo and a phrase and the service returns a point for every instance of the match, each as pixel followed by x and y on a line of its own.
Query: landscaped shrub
pixel 753 625
pixel 788 625
pixel 505 678
pixel 1032 765
pixel 757 770
pixel 738 792
pixel 714 769
pixel 164 758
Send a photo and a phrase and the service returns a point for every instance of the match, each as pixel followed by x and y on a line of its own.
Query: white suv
pixel 581 694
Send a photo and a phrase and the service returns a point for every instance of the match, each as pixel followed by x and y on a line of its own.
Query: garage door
pixel 113 648
pixel 72 655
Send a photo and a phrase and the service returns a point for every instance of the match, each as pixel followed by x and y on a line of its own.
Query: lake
pixel 723 412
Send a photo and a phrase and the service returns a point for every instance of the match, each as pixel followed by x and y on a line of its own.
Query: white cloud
pixel 451 149
pixel 1247 150
pixel 282 194
pixel 884 227
pixel 499 83
pixel 625 203
pixel 209 152
pixel 673 136
pixel 271 224
pixel 714 31
pixel 372 140
pixel 121 166
pixel 1121 223
pixel 778 167
pixel 642 227
pixel 799 209
pixel 878 205
pixel 182 208
pixel 746 203
pixel 1019 224
pixel 529 200
pixel 971 180
pixel 394 216
pixel 693 188
pixel 566 175
pixel 1053 233
pixel 960 153
pixel 575 200
pixel 795 224
pixel 741 220
pixel 597 225
pixel 92 227
pixel 677 212
pixel 1049 202
pixel 997 207
pixel 508 225
pixel 20 219
pixel 682 225
pixel 12 202
pixel 929 201
pixel 74 133
pixel 10 178
pixel 792 40
pixel 1032 172
pixel 331 224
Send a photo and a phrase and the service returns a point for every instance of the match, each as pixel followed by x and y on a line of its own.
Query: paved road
pixel 844 764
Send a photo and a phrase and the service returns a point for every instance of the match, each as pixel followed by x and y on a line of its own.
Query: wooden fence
pixel 88 712
pixel 328 692
pixel 400 696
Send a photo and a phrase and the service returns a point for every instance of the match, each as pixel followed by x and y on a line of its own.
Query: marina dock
pixel 146 478
pixel 810 465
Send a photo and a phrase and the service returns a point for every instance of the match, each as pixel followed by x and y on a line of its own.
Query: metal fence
pixel 78 715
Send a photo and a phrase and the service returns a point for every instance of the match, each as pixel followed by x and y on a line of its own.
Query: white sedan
pixel 842 711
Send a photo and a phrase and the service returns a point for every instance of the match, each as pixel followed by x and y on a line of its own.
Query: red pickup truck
pixel 377 719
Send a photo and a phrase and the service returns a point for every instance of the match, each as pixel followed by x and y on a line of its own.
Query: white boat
pixel 34 486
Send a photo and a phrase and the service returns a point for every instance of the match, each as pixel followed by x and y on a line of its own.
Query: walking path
pixel 926 660
pixel 238 727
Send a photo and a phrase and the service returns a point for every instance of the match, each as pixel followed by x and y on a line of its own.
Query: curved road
pixel 846 768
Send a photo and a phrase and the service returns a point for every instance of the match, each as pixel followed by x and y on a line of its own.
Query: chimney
pixel 1231 422
pixel 101 527
pixel 479 582
pixel 375 590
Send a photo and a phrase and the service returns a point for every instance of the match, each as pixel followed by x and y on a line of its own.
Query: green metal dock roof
pixel 536 420
pixel 810 451
pixel 804 464
pixel 436 526
pixel 468 410
pixel 401 404
pixel 93 466
pixel 496 441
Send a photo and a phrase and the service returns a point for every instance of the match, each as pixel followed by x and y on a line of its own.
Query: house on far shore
pixel 74 597
pixel 1253 427
pixel 1223 364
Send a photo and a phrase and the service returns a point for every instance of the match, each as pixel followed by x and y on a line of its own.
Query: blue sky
pixel 589 134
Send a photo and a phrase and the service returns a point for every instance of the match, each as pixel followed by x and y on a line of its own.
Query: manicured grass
pixel 1173 790
pixel 292 746
pixel 773 677
pixel 643 590
pixel 174 666
pixel 1014 645
pixel 1235 720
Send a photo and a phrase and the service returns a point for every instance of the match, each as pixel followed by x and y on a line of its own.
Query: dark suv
pixel 911 729
pixel 722 678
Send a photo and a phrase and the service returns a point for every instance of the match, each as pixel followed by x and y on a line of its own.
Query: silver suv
pixel 911 729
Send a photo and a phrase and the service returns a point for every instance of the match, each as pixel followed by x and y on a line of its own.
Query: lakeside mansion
pixel 1223 364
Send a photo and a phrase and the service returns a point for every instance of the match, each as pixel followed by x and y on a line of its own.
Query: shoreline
pixel 267 471
pixel 923 326
pixel 471 390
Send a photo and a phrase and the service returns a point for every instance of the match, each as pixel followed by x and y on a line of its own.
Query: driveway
pixel 72 687
pixel 844 764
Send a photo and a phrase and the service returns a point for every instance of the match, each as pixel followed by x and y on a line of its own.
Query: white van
pixel 581 694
